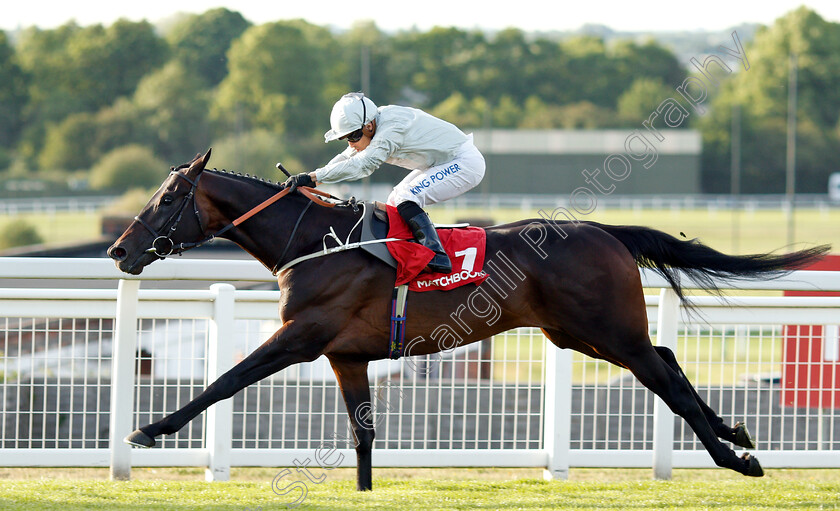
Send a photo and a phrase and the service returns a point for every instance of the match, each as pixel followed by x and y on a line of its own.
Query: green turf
pixel 59 228
pixel 447 489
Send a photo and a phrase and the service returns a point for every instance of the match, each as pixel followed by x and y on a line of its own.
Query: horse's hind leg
pixel 738 435
pixel 656 374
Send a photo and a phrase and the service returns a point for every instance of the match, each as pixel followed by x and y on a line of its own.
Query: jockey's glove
pixel 302 179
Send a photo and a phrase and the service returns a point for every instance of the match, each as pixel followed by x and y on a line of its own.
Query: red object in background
pixel 811 355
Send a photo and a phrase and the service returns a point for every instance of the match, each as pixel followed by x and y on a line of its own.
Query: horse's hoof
pixel 742 436
pixel 753 466
pixel 139 439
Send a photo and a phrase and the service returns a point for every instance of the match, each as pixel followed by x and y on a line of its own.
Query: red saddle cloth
pixel 464 246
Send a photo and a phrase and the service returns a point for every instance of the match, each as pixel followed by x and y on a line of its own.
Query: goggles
pixel 353 136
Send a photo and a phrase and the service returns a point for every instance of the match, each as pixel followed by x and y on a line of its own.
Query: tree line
pixel 92 102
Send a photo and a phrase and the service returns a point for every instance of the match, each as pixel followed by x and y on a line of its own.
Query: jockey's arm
pixel 350 166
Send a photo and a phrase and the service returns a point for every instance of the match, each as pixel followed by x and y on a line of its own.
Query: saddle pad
pixel 465 248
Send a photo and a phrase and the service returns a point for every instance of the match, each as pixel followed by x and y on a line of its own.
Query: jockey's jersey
pixel 406 137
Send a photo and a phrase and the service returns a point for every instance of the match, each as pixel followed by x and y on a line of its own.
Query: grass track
pixel 431 490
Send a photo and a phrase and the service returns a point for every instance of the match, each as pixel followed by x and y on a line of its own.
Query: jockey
pixel 444 162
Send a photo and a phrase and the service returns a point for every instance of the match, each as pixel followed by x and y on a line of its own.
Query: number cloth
pixel 464 246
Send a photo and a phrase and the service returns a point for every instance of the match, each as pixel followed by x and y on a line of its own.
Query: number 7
pixel 469 258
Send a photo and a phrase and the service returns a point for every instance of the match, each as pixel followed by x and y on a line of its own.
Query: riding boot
pixel 424 231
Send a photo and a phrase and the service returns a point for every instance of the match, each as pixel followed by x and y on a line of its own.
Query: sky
pixel 391 15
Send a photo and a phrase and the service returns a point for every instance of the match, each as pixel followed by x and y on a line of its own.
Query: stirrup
pixel 440 263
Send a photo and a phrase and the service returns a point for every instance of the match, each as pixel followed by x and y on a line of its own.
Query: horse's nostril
pixel 117 253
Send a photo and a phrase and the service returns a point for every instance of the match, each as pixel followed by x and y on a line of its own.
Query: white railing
pixel 517 402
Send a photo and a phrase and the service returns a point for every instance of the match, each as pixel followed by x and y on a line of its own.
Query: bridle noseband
pixel 162 245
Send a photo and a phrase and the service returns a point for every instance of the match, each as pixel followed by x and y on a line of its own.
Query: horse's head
pixel 170 220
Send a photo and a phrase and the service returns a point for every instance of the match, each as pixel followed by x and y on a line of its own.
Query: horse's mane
pixel 247 177
pixel 349 205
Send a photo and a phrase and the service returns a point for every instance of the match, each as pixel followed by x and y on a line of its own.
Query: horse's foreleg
pixel 738 435
pixel 283 349
pixel 353 380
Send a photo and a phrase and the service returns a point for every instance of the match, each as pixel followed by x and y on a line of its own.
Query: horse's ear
pixel 199 163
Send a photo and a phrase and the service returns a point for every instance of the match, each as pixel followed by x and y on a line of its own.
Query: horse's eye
pixel 166 200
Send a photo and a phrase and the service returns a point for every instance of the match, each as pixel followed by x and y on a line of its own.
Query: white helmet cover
pixel 350 113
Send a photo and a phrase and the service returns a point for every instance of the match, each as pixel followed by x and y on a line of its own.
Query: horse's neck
pixel 271 234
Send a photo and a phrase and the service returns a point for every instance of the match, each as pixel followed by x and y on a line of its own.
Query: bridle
pixel 163 246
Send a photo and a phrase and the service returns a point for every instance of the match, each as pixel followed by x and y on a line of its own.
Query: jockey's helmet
pixel 350 113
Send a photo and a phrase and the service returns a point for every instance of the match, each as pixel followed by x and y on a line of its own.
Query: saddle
pixel 375 226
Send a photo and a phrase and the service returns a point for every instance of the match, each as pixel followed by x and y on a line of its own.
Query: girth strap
pixel 398 303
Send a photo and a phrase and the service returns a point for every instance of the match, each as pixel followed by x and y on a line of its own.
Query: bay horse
pixel 577 281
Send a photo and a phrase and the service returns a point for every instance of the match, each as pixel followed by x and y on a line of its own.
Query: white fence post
pixel 558 410
pixel 123 356
pixel 663 417
pixel 219 433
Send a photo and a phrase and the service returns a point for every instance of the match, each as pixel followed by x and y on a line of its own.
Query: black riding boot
pixel 424 231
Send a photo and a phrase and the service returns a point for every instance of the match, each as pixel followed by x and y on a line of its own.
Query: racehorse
pixel 577 281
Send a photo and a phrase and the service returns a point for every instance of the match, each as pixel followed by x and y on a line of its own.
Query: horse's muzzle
pixel 119 255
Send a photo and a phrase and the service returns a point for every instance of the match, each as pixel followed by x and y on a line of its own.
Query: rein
pixel 163 246
pixel 346 245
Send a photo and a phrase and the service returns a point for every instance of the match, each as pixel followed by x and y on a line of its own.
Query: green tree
pixel 127 167
pixel 641 99
pixel 462 112
pixel 41 55
pixel 121 124
pixel 364 41
pixel 109 63
pixel 433 65
pixel 76 69
pixel 501 66
pixel 506 113
pixel 256 153
pixel 88 68
pixel 278 75
pixel 201 42
pixel 580 115
pixel 761 92
pixel 649 60
pixel 77 142
pixel 815 41
pixel 589 74
pixel 13 94
pixel 173 103
pixel 68 144
pixel 19 234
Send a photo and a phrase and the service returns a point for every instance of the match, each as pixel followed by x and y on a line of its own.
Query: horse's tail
pixel 669 256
